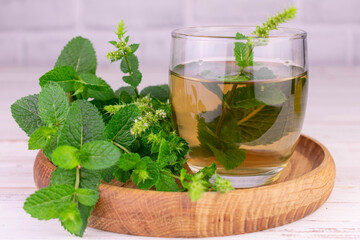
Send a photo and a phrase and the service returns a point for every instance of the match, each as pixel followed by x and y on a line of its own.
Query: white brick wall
pixel 32 32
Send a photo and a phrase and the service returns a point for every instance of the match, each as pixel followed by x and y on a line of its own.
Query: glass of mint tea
pixel 239 100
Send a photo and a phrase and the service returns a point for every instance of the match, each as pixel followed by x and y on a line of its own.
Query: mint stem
pixel 121 147
pixel 170 174
pixel 131 74
pixel 77 181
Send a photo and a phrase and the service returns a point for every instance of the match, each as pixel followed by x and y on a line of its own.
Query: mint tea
pixel 248 126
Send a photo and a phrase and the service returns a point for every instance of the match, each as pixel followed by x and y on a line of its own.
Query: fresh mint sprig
pixel 129 62
pixel 91 134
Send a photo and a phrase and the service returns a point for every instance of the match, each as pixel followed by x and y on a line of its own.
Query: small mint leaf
pixel 222 185
pixel 64 76
pixel 78 53
pixel 97 87
pixel 160 92
pixel 128 161
pixel 85 213
pixel 133 62
pixel 134 47
pixel 83 124
pixel 243 54
pixel 122 176
pixel 70 218
pixel 208 171
pixel 113 43
pixel 240 36
pixel 87 197
pixel 26 113
pixel 47 203
pixel 130 90
pixel 118 128
pixel 67 157
pixel 90 179
pixel 146 173
pixel 165 156
pixel 166 183
pixel 133 80
pixel 230 158
pixel 98 155
pixel 53 104
pixel 63 176
pixel 41 137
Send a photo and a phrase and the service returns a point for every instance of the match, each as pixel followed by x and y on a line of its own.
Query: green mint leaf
pixel 240 36
pixel 108 174
pixel 133 62
pixel 160 92
pixel 90 179
pixel 50 147
pixel 208 171
pixel 243 54
pixel 26 113
pixel 47 203
pixel 87 197
pixel 166 183
pixel 85 213
pixel 197 187
pixel 118 128
pixel 67 157
pixel 78 53
pixel 165 156
pixel 254 122
pixel 83 124
pixel 229 157
pixel 185 177
pixel 214 88
pixel 130 90
pixel 97 87
pixel 125 97
pixel 113 43
pixel 228 153
pixel 98 155
pixel 263 73
pixel 70 218
pixel 53 104
pixel 133 80
pixel 64 76
pixel 146 173
pixel 122 176
pixel 271 95
pixel 244 97
pixel 222 185
pixel 41 137
pixel 63 176
pixel 134 47
pixel 128 161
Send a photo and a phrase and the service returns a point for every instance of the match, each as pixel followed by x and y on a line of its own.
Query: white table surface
pixel 333 117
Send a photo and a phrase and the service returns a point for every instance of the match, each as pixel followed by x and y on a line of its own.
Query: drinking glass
pixel 245 119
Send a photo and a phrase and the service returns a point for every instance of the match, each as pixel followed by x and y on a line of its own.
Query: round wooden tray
pixel 304 185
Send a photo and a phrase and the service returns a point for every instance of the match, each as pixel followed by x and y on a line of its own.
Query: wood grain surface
pixel 304 185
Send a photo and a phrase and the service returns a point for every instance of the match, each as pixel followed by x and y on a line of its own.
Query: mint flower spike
pixel 273 22
pixel 121 30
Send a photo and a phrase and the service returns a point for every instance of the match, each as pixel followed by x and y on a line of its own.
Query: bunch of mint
pixel 91 133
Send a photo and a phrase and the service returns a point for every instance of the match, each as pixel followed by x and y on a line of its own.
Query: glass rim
pixel 203 32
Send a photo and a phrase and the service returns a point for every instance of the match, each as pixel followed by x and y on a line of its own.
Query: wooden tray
pixel 304 185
